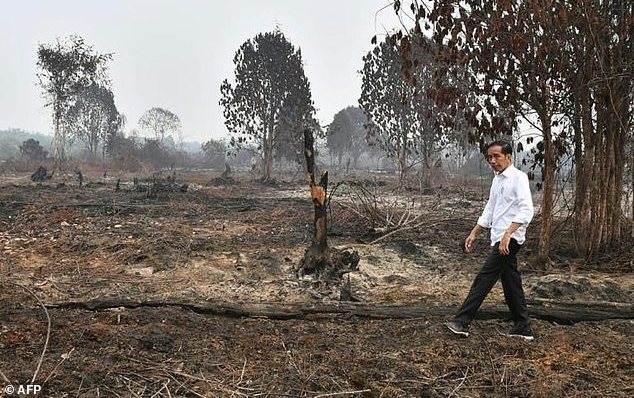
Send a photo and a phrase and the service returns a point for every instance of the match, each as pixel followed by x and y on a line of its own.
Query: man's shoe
pixel 522 332
pixel 457 328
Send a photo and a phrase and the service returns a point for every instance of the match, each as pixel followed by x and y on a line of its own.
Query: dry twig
pixel 342 393
pixel 48 329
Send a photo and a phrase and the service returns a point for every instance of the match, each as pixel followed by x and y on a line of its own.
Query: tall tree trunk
pixel 603 94
pixel 93 147
pixel 631 137
pixel 268 165
pixel 58 141
pixel 617 134
pixel 268 156
pixel 549 174
pixel 402 160
pixel 613 207
pixel 584 160
pixel 427 173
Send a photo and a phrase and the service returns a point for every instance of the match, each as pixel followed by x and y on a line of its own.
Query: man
pixel 507 213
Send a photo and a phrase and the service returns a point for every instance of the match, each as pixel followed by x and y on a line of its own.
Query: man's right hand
pixel 468 243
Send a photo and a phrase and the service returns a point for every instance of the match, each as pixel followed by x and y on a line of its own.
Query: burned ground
pixel 240 243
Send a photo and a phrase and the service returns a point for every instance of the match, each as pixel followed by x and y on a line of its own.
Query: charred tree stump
pixel 40 174
pixel 319 259
pixel 224 179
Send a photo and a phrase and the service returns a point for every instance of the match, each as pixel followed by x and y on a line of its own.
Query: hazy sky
pixel 175 54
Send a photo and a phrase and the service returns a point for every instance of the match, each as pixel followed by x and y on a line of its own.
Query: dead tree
pixel 317 256
pixel 319 259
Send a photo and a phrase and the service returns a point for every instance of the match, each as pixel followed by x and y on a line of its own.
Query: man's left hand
pixel 504 245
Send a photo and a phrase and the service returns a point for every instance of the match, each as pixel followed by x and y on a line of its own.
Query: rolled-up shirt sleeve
pixel 525 209
pixel 486 219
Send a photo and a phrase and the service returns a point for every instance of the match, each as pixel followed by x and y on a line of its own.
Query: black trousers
pixel 497 267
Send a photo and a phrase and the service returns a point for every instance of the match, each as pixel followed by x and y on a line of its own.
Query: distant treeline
pixel 11 139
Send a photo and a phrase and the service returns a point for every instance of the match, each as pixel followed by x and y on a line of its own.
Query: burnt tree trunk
pixel 319 259
pixel 317 256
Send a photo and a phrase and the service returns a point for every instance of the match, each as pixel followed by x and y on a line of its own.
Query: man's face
pixel 497 159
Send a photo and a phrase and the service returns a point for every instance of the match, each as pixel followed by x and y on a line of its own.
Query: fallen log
pixel 561 312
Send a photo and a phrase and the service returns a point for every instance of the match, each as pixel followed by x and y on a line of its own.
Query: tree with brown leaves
pixel 565 66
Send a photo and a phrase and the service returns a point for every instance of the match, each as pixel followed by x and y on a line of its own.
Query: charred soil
pixel 154 296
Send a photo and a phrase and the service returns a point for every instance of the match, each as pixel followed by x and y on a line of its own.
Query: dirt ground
pixel 159 241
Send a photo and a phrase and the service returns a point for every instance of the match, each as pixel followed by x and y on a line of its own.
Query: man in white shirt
pixel 507 213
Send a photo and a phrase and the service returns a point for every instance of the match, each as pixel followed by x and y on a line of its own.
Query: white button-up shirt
pixel 509 201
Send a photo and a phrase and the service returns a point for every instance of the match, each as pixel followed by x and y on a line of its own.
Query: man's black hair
pixel 507 149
